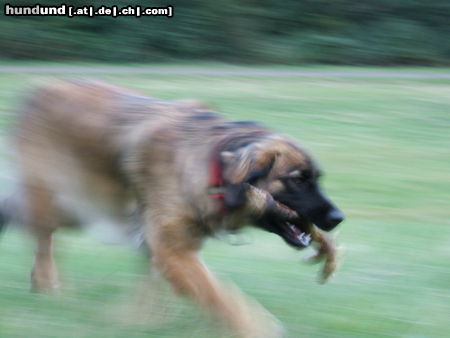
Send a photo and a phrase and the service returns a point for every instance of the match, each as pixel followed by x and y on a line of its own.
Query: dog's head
pixel 289 176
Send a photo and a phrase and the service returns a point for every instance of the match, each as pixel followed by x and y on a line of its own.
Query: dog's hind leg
pixel 40 218
pixel 44 274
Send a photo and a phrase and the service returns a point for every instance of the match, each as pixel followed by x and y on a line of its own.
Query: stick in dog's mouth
pixel 326 251
pixel 296 231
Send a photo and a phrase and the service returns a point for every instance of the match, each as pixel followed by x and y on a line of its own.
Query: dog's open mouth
pixel 296 235
pixel 296 231
pixel 278 218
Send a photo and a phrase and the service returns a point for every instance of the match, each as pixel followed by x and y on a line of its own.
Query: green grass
pixel 385 147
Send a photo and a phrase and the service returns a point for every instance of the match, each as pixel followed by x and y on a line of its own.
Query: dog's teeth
pixel 308 238
pixel 305 239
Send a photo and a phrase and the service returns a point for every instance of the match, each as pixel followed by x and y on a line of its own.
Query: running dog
pixel 167 173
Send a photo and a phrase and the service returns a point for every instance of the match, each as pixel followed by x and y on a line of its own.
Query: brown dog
pixel 169 172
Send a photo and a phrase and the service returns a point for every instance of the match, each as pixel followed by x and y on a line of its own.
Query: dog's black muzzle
pixel 314 206
pixel 329 220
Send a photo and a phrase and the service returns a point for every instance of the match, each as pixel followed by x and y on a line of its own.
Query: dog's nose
pixel 335 217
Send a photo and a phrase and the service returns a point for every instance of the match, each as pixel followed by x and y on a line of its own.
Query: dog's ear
pixel 243 167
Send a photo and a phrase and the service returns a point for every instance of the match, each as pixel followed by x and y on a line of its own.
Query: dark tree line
pixel 245 31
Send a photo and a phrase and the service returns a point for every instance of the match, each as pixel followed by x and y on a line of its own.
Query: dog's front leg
pixel 189 276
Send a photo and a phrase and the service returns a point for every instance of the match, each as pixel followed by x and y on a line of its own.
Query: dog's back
pixel 71 140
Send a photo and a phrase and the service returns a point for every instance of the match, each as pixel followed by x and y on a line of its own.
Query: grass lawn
pixel 385 147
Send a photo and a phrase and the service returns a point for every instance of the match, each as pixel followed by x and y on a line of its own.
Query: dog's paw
pixel 267 325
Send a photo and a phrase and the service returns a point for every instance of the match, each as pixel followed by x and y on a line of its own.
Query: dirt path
pixel 233 72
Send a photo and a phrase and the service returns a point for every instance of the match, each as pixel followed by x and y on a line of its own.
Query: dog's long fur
pixel 93 153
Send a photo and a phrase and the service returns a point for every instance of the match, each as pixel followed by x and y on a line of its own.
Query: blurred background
pixel 365 85
pixel 379 32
